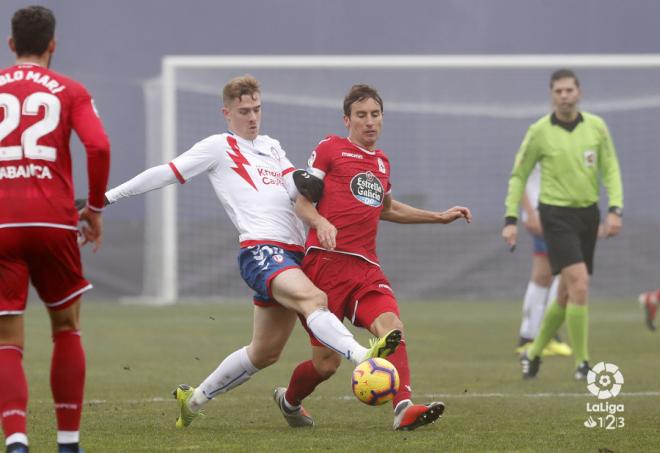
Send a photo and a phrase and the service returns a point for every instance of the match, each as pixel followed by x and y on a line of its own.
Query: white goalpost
pixel 453 125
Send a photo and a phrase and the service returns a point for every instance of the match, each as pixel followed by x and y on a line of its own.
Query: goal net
pixel 452 126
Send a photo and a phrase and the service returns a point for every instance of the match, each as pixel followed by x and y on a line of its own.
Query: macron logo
pixel 11 412
pixel 240 162
pixel 356 156
pixel 69 406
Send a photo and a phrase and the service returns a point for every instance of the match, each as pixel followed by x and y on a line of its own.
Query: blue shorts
pixel 260 264
pixel 540 247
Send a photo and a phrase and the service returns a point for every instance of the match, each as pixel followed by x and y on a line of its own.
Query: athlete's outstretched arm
pixel 397 212
pixel 202 157
pixel 151 179
pixel 326 231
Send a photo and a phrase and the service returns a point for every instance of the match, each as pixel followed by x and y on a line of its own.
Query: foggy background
pixel 114 48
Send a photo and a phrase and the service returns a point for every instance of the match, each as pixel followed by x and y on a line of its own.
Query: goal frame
pixel 164 268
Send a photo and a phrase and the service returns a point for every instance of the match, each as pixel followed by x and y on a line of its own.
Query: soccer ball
pixel 375 381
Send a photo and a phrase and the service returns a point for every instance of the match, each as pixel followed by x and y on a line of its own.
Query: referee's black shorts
pixel 570 234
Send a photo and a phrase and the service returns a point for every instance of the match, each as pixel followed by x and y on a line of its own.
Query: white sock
pixel 334 335
pixel 232 372
pixel 20 438
pixel 68 437
pixel 533 309
pixel 290 407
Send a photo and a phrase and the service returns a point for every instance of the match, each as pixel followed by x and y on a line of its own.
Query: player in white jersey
pixel 254 181
pixel 542 286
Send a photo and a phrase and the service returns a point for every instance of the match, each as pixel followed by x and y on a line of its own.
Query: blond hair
pixel 240 86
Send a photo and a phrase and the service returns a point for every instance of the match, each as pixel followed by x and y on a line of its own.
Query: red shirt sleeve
pixel 321 157
pixel 88 126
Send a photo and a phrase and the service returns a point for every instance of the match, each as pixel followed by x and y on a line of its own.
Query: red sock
pixel 304 380
pixel 67 379
pixel 13 390
pixel 400 360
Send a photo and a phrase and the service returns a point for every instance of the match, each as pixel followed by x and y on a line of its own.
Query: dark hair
pixel 32 28
pixel 240 86
pixel 360 93
pixel 563 73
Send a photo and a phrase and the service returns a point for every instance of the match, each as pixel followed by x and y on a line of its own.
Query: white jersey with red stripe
pixel 253 181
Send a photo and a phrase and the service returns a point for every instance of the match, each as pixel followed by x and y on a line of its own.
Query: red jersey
pixel 356 182
pixel 38 109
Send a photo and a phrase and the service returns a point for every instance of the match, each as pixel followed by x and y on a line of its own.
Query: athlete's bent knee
pixel 385 323
pixel 314 300
pixel 66 319
pixel 261 358
pixel 328 366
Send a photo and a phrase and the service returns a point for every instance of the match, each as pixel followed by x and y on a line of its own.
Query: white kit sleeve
pixel 196 160
pixel 202 157
pixel 287 169
pixel 148 180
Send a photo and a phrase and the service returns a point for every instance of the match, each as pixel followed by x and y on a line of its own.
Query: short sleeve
pixel 198 159
pixel 320 162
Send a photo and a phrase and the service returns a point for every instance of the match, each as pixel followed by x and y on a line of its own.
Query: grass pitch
pixel 460 353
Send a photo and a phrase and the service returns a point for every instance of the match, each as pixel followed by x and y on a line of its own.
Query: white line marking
pixel 428 395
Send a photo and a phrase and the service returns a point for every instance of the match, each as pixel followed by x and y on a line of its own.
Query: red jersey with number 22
pixel 38 109
pixel 356 182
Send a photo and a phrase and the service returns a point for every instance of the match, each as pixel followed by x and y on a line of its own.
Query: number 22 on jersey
pixel 29 147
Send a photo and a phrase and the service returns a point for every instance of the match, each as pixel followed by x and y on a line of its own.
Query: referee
pixel 575 151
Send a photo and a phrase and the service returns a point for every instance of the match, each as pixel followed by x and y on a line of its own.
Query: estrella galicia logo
pixel 367 189
pixel 604 380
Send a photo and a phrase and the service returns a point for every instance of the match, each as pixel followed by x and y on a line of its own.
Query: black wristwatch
pixel 616 210
pixel 509 220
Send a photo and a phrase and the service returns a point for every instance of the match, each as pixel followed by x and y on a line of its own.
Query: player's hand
pixel 533 225
pixel 510 235
pixel 326 232
pixel 455 213
pixel 612 225
pixel 92 230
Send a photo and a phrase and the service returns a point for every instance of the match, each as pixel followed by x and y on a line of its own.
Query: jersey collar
pixel 570 126
pixel 364 150
pixel 28 63
pixel 238 137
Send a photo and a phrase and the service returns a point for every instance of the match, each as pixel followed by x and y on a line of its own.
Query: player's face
pixel 565 96
pixel 244 116
pixel 364 123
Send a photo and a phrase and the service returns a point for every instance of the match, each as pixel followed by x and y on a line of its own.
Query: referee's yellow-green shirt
pixel 572 164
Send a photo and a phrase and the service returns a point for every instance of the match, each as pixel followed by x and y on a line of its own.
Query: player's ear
pixel 347 121
pixel 11 44
pixel 51 46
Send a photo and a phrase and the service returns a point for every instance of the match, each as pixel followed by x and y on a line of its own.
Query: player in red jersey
pixel 341 251
pixel 649 302
pixel 38 221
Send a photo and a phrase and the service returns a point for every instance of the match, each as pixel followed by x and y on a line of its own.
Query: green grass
pixel 460 352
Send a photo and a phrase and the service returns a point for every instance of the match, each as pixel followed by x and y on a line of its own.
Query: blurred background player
pixel 253 179
pixel 649 303
pixel 341 253
pixel 542 287
pixel 575 152
pixel 38 221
